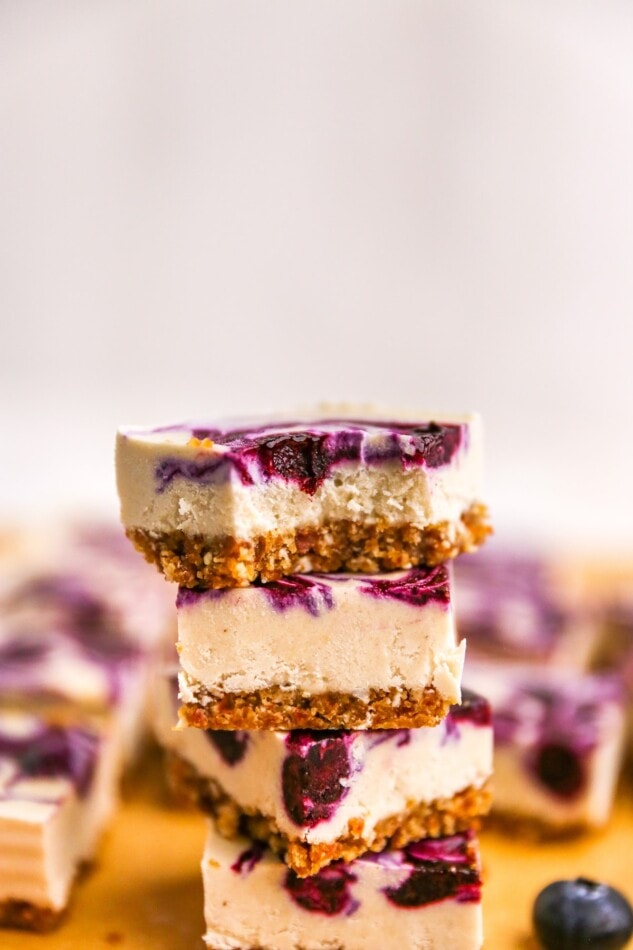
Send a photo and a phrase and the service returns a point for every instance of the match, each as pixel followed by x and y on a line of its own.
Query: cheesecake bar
pixel 320 651
pixel 88 574
pixel 426 896
pixel 518 605
pixel 85 633
pixel 58 786
pixel 318 796
pixel 558 745
pixel 219 505
pixel 61 647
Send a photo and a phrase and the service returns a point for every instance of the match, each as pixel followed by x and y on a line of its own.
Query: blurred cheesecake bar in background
pixel 82 630
pixel 558 744
pixel 58 788
pixel 515 604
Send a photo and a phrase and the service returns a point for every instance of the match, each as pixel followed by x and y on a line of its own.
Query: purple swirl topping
pixel 418 587
pixel 314 592
pixel 327 892
pixel 442 868
pixel 53 751
pixel 313 771
pixel 311 592
pixel 307 456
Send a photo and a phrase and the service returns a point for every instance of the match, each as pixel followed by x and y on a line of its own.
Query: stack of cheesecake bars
pixel 322 724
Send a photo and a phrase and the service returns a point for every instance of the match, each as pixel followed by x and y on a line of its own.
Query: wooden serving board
pixel 146 893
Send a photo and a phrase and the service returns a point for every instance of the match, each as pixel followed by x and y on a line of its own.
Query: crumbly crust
pixel 201 561
pixel 277 708
pixel 443 816
pixel 24 916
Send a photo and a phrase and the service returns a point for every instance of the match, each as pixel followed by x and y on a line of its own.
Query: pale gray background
pixel 214 206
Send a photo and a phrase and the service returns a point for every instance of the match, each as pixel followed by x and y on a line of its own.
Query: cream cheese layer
pixel 343 633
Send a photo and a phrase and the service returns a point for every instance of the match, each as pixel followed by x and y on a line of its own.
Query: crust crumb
pixel 200 561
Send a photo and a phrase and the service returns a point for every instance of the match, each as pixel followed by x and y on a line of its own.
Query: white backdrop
pixel 214 206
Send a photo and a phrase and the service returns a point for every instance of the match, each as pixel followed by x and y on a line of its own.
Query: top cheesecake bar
pixel 223 504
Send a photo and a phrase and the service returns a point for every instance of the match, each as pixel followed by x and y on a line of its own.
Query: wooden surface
pixel 146 894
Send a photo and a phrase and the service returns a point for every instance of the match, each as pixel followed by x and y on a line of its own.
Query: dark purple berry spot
pixel 560 769
pixel 249 858
pixel 22 652
pixel 473 708
pixel 327 892
pixel 443 867
pixel 312 774
pixel 55 752
pixel 307 456
pixel 231 746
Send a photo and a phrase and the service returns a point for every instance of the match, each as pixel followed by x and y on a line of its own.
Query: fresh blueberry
pixel 570 915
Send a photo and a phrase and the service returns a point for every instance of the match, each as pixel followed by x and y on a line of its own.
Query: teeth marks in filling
pixel 327 892
pixel 230 746
pixel 312 774
pixel 306 457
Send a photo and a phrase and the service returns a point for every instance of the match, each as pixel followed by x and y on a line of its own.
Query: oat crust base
pixel 201 561
pixel 276 708
pixel 443 816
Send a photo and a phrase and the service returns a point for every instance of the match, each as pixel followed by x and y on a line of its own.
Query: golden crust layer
pixel 200 561
pixel 276 708
pixel 24 916
pixel 420 820
pixel 537 830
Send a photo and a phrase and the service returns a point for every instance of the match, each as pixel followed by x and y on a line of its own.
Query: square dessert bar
pixel 321 651
pixel 426 896
pixel 523 606
pixel 219 505
pixel 558 745
pixel 61 645
pixel 58 786
pixel 318 796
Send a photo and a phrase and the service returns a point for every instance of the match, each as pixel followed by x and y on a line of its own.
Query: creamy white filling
pixel 388 776
pixel 238 642
pixel 418 495
pixel 47 831
pixel 253 909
